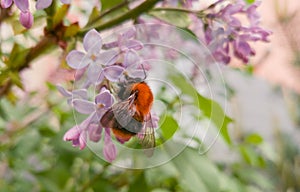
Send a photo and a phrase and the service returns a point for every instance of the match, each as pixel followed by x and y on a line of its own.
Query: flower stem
pixel 106 12
pixel 133 13
pixel 196 12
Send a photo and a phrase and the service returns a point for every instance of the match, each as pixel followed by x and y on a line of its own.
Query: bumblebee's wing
pixel 122 112
pixel 148 141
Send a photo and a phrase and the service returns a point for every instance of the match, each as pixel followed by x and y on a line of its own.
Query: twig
pixel 131 14
pixel 106 12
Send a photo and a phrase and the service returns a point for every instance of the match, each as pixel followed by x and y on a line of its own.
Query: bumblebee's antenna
pixel 144 71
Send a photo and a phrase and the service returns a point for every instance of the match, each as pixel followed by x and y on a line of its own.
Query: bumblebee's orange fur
pixel 144 99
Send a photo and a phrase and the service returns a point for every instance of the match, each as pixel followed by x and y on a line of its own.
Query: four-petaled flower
pixel 125 41
pixel 99 65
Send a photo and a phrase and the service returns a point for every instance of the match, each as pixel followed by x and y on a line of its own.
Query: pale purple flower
pixel 92 43
pixel 23 5
pixel 132 65
pixel 71 95
pixel 102 102
pixel 78 134
pixel 6 3
pixel 224 31
pixel 109 150
pixel 126 41
pixel 43 4
pixel 242 50
pixel 252 14
pixel 90 127
pixel 99 65
pixel 26 18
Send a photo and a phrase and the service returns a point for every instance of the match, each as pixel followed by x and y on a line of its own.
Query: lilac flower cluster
pixel 102 65
pixel 223 29
pixel 26 17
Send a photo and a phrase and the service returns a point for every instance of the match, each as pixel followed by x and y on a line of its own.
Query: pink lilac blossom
pixel 43 4
pixel 125 41
pixel 26 17
pixel 224 31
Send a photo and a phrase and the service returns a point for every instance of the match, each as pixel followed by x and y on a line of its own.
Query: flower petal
pixel 100 79
pixel 73 133
pixel 63 91
pixel 94 72
pixel 105 98
pixel 92 42
pixel 131 58
pixel 95 131
pixel 77 59
pixel 79 73
pixel 243 50
pixel 5 3
pixel 65 1
pixel 80 94
pixel 75 142
pixel 129 33
pixel 113 73
pixel 111 45
pixel 107 58
pixel 83 106
pixel 23 5
pixel 134 44
pixel 26 19
pixel 109 150
pixel 43 4
pixel 82 140
pixel 137 73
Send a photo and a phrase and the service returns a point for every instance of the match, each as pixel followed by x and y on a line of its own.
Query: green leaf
pixel 211 109
pixel 176 18
pixel 3 114
pixel 60 14
pixel 251 156
pixel 109 4
pixel 197 172
pixel 12 97
pixel 253 176
pixel 46 131
pixel 249 1
pixel 17 27
pixel 95 13
pixel 254 138
pixel 139 184
pixel 72 30
pixel 16 79
pixel 168 127
pixel 249 69
pixel 17 56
